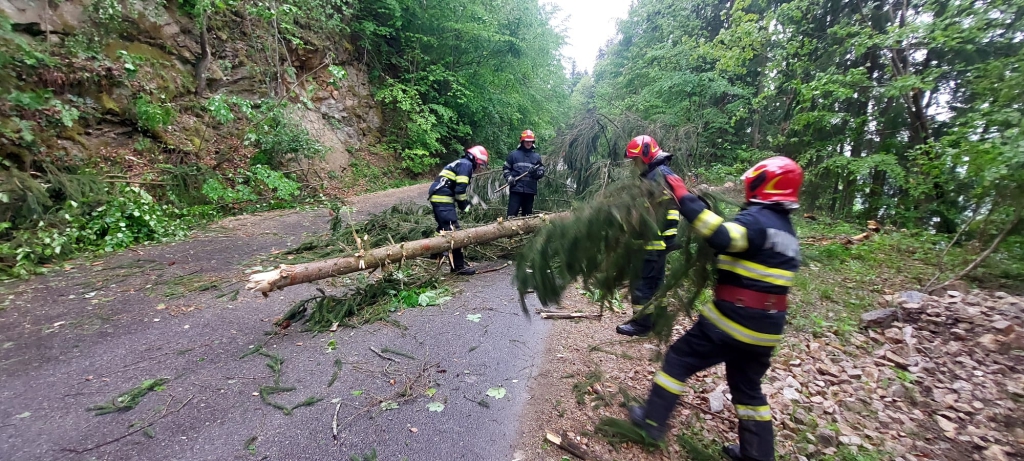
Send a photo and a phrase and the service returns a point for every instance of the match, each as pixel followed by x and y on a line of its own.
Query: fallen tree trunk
pixel 288 275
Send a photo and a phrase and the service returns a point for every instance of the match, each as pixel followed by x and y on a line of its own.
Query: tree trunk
pixel 995 243
pixel 288 275
pixel 204 59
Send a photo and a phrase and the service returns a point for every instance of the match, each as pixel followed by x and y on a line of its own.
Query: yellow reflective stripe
pixel 740 332
pixel 673 214
pixel 462 179
pixel 441 199
pixel 737 237
pixel 756 413
pixel 707 222
pixel 669 383
pixel 462 197
pixel 448 174
pixel 756 271
pixel 659 245
pixel 672 231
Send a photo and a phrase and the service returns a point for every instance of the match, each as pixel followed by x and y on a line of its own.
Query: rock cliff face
pixel 341 115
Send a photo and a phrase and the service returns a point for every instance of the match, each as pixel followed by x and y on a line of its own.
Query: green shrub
pixel 280 140
pixel 152 116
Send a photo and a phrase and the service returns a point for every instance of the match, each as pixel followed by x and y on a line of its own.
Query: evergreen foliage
pixel 902 112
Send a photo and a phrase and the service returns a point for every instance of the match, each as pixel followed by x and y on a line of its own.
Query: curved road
pixel 81 337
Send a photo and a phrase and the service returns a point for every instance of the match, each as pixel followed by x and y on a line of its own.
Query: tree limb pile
pixel 288 275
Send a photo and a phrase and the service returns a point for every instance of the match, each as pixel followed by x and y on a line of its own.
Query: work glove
pixel 675 183
pixel 465 207
pixel 511 181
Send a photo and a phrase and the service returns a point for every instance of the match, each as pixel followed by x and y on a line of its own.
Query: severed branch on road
pixel 135 431
pixel 569 315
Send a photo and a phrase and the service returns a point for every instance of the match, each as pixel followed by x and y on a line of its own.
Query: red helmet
pixel 479 155
pixel 527 136
pixel 777 179
pixel 644 147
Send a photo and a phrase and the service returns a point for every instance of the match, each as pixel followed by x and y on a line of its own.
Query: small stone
pixel 958 334
pixel 879 318
pixel 851 440
pixel 716 401
pixel 912 297
pixel 790 394
pixel 995 453
pixel 896 391
pixel 854 373
pixel 1004 327
pixel 413 430
pixel 826 439
pixel 897 360
pixel 945 424
pixel 990 342
pixel 792 382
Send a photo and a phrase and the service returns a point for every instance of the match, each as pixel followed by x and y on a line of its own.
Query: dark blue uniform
pixel 524 190
pixel 758 257
pixel 652 273
pixel 447 192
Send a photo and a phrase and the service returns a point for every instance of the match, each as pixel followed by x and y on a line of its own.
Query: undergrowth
pixel 837 282
pixel 365 300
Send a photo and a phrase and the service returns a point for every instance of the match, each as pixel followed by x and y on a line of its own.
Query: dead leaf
pixel 413 430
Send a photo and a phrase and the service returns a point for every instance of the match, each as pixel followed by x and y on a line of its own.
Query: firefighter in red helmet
pixel 653 164
pixel 449 191
pixel 758 256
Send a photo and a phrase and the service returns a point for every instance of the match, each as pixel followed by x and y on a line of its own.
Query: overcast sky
pixel 590 24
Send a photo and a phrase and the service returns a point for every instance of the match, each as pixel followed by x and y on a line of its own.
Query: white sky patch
pixel 589 24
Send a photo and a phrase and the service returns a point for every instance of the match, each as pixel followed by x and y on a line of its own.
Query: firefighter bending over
pixel 450 190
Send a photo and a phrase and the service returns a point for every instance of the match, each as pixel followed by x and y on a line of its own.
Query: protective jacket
pixel 758 257
pixel 520 161
pixel 451 184
pixel 659 171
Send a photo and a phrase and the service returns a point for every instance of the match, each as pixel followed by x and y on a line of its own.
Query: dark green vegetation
pixel 904 112
pixel 137 121
pixel 129 399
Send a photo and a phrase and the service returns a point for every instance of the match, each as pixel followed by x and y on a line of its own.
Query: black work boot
pixel 757 441
pixel 464 270
pixel 632 328
pixel 652 418
pixel 640 326
pixel 732 452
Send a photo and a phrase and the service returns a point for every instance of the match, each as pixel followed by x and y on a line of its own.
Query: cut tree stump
pixel 288 274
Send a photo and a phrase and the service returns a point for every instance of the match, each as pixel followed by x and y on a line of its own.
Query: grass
pixel 368 178
pixel 837 283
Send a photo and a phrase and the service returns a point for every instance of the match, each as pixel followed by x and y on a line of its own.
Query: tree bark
pixel 288 275
pixel 204 59
pixel 995 243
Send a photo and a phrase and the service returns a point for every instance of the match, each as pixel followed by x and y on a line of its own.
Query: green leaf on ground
pixel 473 317
pixel 435 406
pixel 496 392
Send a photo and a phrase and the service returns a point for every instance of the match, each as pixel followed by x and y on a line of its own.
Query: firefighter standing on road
pixel 653 163
pixel 758 256
pixel 449 190
pixel 522 170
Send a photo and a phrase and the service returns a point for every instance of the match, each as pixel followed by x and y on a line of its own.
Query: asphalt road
pixel 79 338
